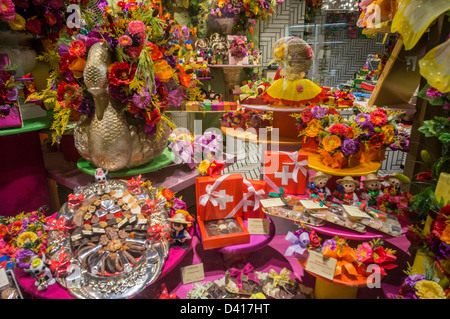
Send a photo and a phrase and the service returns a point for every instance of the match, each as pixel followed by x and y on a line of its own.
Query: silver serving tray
pixel 82 284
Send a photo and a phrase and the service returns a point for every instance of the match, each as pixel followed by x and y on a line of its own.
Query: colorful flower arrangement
pixel 351 262
pixel 38 17
pixel 23 236
pixel 9 91
pixel 393 200
pixel 343 97
pixel 245 13
pixel 339 141
pixel 210 167
pixel 432 236
pixel 145 75
pixel 422 286
pixel 239 47
pixel 246 118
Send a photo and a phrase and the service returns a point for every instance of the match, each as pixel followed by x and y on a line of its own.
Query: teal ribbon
pixel 320 199
pixel 280 194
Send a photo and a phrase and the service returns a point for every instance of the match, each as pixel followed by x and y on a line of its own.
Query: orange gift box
pixel 254 191
pixel 287 170
pixel 220 197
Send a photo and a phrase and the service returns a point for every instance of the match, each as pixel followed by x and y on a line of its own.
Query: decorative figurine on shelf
pixel 371 189
pixel 216 37
pixel 102 179
pixel 346 190
pixel 180 221
pixel 393 198
pixel 44 277
pixel 395 183
pixel 201 47
pixel 220 51
pixel 318 185
pixel 294 56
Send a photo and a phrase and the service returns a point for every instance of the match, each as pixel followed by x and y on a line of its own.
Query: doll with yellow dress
pixel 295 57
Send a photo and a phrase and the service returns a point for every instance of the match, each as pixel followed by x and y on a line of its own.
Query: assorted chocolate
pixel 110 233
pixel 222 227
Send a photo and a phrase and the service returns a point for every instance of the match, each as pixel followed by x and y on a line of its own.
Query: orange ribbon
pixel 346 257
pixel 337 160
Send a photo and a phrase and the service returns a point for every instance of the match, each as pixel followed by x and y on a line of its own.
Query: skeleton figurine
pixel 44 277
pixel 101 179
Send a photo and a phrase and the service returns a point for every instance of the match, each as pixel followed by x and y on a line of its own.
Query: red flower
pixel 77 48
pixel 307 115
pixel 154 117
pixel 338 129
pixel 445 210
pixel 50 18
pixel 121 73
pixel 424 176
pixel 122 4
pixel 34 26
pixel 168 194
pixel 378 118
pixel 69 95
pixel 155 54
pixel 134 52
pixel 64 62
pixel 314 239
pixel 413 237
pixel 376 141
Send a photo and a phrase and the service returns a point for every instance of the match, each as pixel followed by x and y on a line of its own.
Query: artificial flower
pixel 23 259
pixel 163 70
pixel 26 239
pixel 18 24
pixel 125 41
pixel 376 141
pixel 142 99
pixel 154 51
pixel 121 73
pixel 64 62
pixel 389 134
pixel 69 95
pixel 153 117
pixel 50 18
pixel 367 130
pixel 307 115
pixel 77 66
pixel 445 237
pixel 427 289
pixel 350 147
pixel 319 112
pixel 203 167
pixel 314 240
pixel 378 118
pixel 338 129
pixel 312 129
pixel 135 27
pixel 331 143
pixel 167 193
pixel 364 252
pixel 77 48
pixel 34 25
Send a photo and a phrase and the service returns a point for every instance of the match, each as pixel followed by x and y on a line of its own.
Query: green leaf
pixel 444 137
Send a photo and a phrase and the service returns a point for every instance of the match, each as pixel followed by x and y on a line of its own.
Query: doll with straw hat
pixel 346 190
pixel 295 57
pixel 318 185
pixel 371 189
pixel 179 222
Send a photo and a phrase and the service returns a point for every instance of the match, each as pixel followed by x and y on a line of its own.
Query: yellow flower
pixel 18 24
pixel 313 128
pixel 203 167
pixel 427 289
pixel 331 142
pixel 388 131
pixel 445 237
pixel 26 238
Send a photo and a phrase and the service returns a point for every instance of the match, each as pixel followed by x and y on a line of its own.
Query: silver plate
pixel 82 284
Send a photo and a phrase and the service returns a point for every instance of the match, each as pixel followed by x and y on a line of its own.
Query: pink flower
pixel 135 27
pixel 309 53
pixel 364 252
pixel 299 88
pixel 125 41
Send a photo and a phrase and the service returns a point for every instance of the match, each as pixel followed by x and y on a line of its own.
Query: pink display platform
pixel 256 241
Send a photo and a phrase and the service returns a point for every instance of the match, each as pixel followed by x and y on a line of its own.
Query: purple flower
pixel 4 111
pixel 175 97
pixel 329 243
pixel 143 99
pixel 33 218
pixel 150 129
pixel 63 49
pixel 441 249
pixel 90 41
pixel 23 259
pixel 433 93
pixel 412 280
pixel 13 94
pixel 362 118
pixel 185 31
pixel 367 130
pixel 117 94
pixel 350 147
pixel 319 112
pixel 87 107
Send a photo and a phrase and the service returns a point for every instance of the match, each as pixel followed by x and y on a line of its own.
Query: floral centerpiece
pixel 144 75
pixel 239 47
pixel 23 237
pixel 246 118
pixel 343 97
pixel 432 237
pixel 422 286
pixel 9 93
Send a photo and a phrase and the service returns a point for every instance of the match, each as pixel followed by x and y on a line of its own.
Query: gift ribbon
pixel 297 165
pixel 345 256
pixel 211 194
pixel 184 151
pixel 319 199
pixel 247 271
pixel 283 277
pixel 57 224
pixel 299 243
pixel 165 294
pixel 280 194
pixel 72 197
pixel 60 267
pixel 251 191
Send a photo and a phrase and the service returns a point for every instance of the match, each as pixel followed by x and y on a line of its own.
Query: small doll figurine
pixel 180 221
pixel 346 190
pixel 371 189
pixel 44 277
pixel 102 180
pixel 395 183
pixel 318 185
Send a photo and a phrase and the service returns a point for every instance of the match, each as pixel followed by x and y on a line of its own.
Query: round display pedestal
pixel 327 290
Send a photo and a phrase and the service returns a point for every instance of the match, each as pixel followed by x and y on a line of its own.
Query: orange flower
pixel 77 67
pixel 185 79
pixel 331 142
pixel 163 70
pixel 167 193
pixel 155 53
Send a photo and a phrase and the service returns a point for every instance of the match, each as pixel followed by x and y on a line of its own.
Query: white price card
pixel 272 202
pixel 321 265
pixel 258 226
pixel 3 278
pixel 310 204
pixel 192 273
pixel 355 212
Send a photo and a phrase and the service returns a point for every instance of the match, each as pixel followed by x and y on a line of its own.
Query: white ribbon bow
pixel 183 151
pixel 251 191
pixel 299 243
pixel 298 165
pixel 211 195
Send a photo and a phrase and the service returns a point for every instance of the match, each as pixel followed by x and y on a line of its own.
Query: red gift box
pixel 220 197
pixel 287 170
pixel 254 191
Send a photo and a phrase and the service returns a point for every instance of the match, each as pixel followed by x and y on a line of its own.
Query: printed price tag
pixel 355 212
pixel 310 204
pixel 4 281
pixel 272 202
pixel 321 265
pixel 192 273
pixel 258 226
